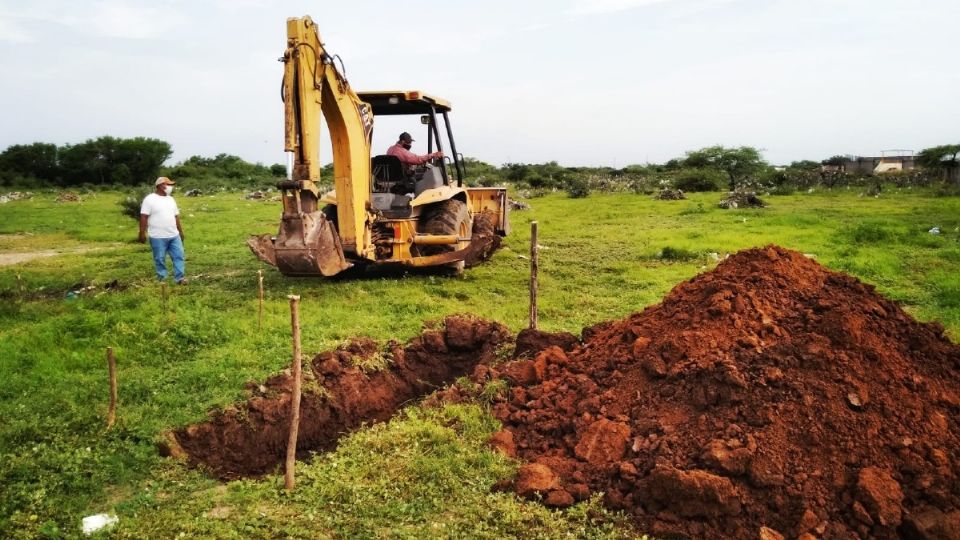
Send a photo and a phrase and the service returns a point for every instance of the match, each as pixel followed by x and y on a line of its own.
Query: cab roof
pixel 403 102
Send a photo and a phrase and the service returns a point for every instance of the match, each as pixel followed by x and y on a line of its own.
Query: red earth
pixel 769 397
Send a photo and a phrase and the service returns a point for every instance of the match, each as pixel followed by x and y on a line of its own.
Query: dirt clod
pixel 531 341
pixel 536 479
pixel 502 441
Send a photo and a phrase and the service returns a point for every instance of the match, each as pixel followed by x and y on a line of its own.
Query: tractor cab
pixel 394 185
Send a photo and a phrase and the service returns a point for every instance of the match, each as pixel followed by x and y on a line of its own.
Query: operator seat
pixel 389 175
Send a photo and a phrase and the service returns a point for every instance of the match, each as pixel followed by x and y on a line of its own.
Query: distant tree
pixel 836 161
pixel 37 160
pixel 87 162
pixel 805 165
pixel 674 164
pixel 943 158
pixel 109 160
pixel 326 173
pixel 738 163
pixel 481 173
pixel 278 170
pixel 142 157
pixel 221 166
pixel 516 172
pixel 638 169
pixel 691 180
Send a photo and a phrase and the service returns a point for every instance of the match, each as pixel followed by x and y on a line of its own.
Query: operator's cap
pixel 406 137
pixel 164 180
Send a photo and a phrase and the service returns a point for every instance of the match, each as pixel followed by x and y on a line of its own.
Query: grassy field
pixel 425 474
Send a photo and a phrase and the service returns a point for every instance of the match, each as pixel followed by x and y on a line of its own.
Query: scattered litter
pixel 94 523
pixel 935 230
pixel 68 196
pixel 255 195
pixel 667 194
pixel 4 199
pixel 77 290
pixel 742 199
pixel 18 195
pixel 713 256
pixel 193 193
pixel 518 205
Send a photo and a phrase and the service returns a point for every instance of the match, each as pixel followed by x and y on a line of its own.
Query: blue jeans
pixel 173 246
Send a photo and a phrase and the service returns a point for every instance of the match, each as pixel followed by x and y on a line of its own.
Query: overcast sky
pixel 602 82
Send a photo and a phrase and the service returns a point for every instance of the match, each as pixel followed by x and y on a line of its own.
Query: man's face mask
pixel 407 145
pixel 168 189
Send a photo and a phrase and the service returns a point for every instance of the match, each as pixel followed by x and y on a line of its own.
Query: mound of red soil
pixel 769 396
pixel 251 438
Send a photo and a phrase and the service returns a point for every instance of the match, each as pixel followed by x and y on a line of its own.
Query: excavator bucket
pixel 307 245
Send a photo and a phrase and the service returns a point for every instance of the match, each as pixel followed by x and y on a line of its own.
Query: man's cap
pixel 164 180
pixel 406 137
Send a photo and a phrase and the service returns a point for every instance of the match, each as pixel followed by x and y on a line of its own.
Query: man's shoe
pixel 182 281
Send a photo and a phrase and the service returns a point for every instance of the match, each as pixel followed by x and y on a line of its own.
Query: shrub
pixel 693 180
pixel 130 204
pixel 578 188
pixel 670 253
pixel 868 233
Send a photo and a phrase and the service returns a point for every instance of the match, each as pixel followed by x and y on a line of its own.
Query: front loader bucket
pixel 307 245
pixel 262 247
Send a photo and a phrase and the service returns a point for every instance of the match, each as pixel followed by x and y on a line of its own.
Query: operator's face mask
pixel 168 189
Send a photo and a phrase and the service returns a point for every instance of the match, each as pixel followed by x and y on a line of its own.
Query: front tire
pixel 447 217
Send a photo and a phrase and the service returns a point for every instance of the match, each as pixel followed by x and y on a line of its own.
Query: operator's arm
pixel 180 228
pixel 143 229
pixel 410 158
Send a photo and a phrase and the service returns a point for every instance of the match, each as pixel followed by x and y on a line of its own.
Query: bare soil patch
pixel 19 257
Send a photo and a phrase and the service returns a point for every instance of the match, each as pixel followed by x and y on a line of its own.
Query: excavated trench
pixel 250 439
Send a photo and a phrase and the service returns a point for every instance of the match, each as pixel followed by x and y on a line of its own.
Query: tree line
pixel 116 162
pixel 713 168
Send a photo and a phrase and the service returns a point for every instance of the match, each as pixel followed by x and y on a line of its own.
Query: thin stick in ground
pixel 112 368
pixel 291 461
pixel 260 312
pixel 534 269
pixel 163 295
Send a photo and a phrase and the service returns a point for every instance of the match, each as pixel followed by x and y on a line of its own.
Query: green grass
pixel 425 474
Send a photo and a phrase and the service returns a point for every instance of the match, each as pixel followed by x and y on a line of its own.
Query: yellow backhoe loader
pixel 380 212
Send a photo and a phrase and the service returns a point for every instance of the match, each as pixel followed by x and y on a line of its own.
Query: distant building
pixel 888 161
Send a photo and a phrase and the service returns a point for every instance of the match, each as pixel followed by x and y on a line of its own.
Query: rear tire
pixel 485 237
pixel 447 217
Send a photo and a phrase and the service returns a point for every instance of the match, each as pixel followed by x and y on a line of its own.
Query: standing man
pixel 160 220
pixel 402 151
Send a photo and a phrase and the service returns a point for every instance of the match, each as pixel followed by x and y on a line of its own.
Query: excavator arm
pixel 308 243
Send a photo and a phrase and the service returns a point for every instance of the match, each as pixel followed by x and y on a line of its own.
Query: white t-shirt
pixel 162 212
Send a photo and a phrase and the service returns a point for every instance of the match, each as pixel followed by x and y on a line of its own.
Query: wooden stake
pixel 163 295
pixel 260 316
pixel 112 367
pixel 288 479
pixel 534 268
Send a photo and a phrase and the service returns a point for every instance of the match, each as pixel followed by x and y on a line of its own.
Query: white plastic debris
pixel 935 230
pixel 94 523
